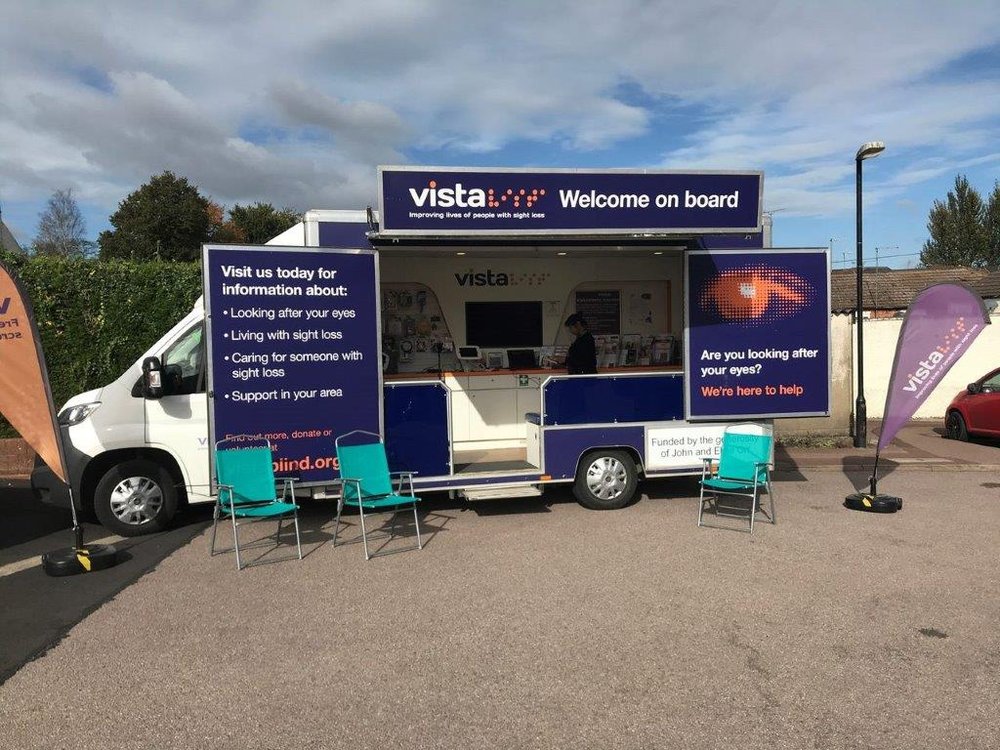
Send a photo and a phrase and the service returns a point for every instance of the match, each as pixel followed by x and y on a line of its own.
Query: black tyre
pixel 606 480
pixel 135 497
pixel 955 426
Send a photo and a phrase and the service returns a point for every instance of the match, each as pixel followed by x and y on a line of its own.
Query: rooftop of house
pixel 7 240
pixel 894 289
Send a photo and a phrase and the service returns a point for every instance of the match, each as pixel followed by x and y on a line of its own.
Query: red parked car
pixel 976 410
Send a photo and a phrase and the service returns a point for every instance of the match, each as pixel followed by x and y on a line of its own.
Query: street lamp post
pixel 867 151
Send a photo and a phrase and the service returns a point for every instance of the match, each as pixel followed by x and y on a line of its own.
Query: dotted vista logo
pixel 489 277
pixel 925 367
pixel 459 196
pixel 756 294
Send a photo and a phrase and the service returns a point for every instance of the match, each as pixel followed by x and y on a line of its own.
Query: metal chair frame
pixel 746 486
pixel 375 502
pixel 234 509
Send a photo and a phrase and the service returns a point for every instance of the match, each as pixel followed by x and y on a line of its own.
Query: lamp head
pixel 870 150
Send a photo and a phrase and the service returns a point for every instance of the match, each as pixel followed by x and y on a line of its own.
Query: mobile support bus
pixel 437 322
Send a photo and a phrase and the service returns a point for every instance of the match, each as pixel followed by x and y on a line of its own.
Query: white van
pixel 472 393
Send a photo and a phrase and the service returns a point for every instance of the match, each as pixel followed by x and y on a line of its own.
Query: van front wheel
pixel 135 497
pixel 606 480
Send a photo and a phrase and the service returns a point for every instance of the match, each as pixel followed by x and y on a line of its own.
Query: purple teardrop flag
pixel 939 327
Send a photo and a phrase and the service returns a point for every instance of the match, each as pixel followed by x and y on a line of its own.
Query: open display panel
pixel 515 317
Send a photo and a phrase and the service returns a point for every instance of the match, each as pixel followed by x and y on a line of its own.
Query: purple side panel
pixel 563 447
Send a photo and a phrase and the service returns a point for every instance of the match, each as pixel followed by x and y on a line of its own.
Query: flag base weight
pixel 69 561
pixel 873 503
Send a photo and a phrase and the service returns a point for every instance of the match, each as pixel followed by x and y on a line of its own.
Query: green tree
pixel 167 218
pixel 221 229
pixel 261 222
pixel 957 227
pixel 993 227
pixel 61 228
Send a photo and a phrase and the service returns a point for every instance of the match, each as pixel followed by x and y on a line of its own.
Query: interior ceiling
pixel 533 246
pixel 527 250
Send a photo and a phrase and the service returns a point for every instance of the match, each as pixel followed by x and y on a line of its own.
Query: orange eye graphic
pixel 756 295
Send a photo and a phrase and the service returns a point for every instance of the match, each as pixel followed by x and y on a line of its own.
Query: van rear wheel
pixel 135 497
pixel 606 480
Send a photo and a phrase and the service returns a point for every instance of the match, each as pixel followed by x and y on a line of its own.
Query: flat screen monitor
pixel 503 324
pixel 469 352
pixel 520 359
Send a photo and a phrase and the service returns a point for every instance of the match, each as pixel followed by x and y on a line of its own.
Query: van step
pixel 499 493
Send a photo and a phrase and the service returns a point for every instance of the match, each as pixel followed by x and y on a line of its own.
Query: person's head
pixel 576 324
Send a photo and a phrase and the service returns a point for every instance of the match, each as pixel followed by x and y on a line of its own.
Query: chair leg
pixel 770 498
pixel 215 526
pixel 364 533
pixel 336 529
pixel 416 522
pixel 236 542
pixel 298 539
pixel 753 506
pixel 277 534
pixel 701 504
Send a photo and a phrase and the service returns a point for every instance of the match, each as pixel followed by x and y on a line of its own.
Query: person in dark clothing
pixel 582 356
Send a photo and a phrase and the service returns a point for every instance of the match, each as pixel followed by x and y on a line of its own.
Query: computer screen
pixel 503 324
pixel 520 359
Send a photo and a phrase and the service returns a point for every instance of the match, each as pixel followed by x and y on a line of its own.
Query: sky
pixel 296 103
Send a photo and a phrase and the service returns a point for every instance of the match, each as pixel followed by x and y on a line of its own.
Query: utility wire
pixel 881 257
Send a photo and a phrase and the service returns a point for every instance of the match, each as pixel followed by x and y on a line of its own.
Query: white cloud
pixel 297 103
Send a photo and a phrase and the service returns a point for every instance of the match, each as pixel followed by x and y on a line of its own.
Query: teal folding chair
pixel 247 489
pixel 366 483
pixel 744 470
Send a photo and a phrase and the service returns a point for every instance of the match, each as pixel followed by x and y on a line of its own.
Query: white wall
pixel 880 348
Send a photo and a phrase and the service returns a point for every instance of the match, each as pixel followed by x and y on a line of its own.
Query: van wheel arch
pixel 98 466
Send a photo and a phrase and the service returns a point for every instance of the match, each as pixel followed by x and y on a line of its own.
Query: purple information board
pixel 294 353
pixel 757 342
pixel 449 200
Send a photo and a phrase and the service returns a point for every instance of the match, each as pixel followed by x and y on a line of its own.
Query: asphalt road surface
pixel 38 610
pixel 539 625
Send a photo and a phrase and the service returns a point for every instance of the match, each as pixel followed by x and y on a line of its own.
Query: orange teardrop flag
pixel 25 397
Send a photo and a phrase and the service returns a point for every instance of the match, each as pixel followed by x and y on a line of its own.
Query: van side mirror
pixel 152 378
pixel 974 388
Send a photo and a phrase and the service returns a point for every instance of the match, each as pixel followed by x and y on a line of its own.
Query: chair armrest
pixel 406 476
pixel 228 489
pixel 706 468
pixel 343 481
pixel 288 486
pixel 767 466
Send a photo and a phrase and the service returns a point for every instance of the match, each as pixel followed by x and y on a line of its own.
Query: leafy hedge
pixel 96 317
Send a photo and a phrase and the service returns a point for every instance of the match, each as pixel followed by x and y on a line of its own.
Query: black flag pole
pixel 26 402
pixel 940 325
pixel 872 500
pixel 81 557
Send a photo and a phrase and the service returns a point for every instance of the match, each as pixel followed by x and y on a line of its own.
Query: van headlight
pixel 75 414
